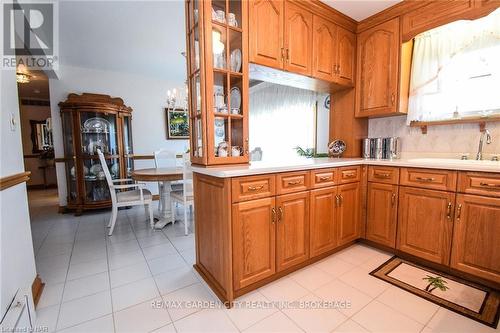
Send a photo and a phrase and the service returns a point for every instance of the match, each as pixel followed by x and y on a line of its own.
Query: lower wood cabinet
pixel 382 212
pixel 348 213
pixel 425 223
pixel 254 241
pixel 475 236
pixel 322 221
pixel 292 230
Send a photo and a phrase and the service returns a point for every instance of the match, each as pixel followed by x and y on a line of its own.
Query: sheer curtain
pixel 281 118
pixel 456 70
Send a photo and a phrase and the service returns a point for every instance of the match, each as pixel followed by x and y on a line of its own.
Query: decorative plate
pixel 236 60
pixel 96 125
pixel 114 169
pixel 336 148
pixel 235 97
pixel 327 102
pixel 95 169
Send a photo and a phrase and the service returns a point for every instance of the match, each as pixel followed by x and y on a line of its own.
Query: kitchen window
pixel 456 71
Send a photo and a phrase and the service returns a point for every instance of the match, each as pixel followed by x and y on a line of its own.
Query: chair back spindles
pixel 165 158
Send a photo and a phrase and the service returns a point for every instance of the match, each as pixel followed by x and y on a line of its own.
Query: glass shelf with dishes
pixel 98 131
pixel 219 120
pixel 95 185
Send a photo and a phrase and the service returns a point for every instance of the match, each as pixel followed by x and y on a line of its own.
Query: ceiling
pixel 360 9
pixel 37 88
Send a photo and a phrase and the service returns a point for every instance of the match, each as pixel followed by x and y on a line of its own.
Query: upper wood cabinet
pixel 292 231
pixel 298 39
pixel 324 49
pixel 346 57
pixel 475 236
pixel 382 212
pixel 378 70
pixel 254 241
pixel 266 32
pixel 425 223
pixel 348 213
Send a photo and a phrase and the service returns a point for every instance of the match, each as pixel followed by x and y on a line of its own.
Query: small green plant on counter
pixel 309 152
pixel 435 282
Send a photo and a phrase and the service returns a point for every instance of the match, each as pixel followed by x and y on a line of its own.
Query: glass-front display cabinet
pixel 217 44
pixel 91 122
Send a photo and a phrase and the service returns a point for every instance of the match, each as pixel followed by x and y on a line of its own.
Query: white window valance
pixel 456 70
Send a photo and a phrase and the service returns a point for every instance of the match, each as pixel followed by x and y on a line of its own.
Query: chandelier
pixel 23 77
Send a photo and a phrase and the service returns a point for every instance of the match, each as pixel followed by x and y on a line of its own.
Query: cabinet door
pixel 292 237
pixel 348 213
pixel 266 32
pixel 298 39
pixel 378 64
pixel 324 35
pixel 475 236
pixel 254 241
pixel 346 55
pixel 382 213
pixel 425 223
pixel 322 220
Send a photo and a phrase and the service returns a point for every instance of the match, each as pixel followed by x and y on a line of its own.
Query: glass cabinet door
pixel 127 145
pixel 71 180
pixel 98 132
pixel 95 185
pixel 67 126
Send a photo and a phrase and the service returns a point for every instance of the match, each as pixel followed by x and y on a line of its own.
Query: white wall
pixel 17 262
pixel 146 96
pixel 450 140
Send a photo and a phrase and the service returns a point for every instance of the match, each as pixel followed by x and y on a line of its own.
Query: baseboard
pixel 37 289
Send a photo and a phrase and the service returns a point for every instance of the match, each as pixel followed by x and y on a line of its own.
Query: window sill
pixel 470 120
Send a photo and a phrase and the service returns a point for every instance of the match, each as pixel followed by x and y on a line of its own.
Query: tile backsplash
pixel 450 140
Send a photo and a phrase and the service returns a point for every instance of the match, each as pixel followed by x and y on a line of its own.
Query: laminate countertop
pixel 258 168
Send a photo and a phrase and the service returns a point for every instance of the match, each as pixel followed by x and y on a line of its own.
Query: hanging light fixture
pixel 22 75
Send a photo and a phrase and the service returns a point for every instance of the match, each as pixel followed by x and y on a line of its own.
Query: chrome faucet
pixel 486 133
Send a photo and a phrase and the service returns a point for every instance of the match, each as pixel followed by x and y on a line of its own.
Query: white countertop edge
pixel 259 168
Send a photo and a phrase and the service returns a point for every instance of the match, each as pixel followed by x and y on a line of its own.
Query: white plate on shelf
pixel 235 98
pixel 236 60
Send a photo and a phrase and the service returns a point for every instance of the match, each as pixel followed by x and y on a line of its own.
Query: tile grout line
pixel 105 226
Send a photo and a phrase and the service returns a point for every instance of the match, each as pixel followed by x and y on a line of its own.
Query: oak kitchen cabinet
pixel 266 32
pixel 382 212
pixel 323 220
pixel 378 70
pixel 475 236
pixel 348 212
pixel 425 223
pixel 298 39
pixel 254 243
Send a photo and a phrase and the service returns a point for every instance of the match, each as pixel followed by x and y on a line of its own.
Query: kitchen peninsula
pixel 257 223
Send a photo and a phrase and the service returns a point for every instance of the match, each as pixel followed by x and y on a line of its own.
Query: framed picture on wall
pixel 177 124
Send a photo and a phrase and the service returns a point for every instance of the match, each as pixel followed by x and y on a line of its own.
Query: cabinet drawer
pixel 323 178
pixel 291 182
pixel 429 178
pixel 381 174
pixel 252 187
pixel 349 174
pixel 479 183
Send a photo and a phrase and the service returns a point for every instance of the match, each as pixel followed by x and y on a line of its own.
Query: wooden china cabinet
pixel 217 44
pixel 91 122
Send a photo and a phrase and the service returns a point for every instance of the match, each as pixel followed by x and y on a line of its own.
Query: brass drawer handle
pixel 324 178
pixel 393 199
pixel 337 200
pixel 255 188
pixel 489 185
pixel 459 212
pixel 448 210
pixel 382 175
pixel 425 179
pixel 350 175
pixel 280 214
pixel 273 217
pixel 295 182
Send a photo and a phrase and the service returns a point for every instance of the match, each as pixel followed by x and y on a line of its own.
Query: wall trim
pixel 37 289
pixel 13 180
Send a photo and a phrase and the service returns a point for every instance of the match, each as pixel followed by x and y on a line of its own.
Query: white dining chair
pixel 165 158
pixel 136 195
pixel 185 196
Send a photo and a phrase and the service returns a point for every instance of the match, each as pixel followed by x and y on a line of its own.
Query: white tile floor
pixel 121 283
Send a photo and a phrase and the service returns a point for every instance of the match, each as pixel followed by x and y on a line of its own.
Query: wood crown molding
pixel 329 13
pixel 12 180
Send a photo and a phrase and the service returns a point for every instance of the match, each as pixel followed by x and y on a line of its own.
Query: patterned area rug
pixel 466 298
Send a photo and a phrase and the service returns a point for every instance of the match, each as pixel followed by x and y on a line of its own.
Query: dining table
pixel 164 176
